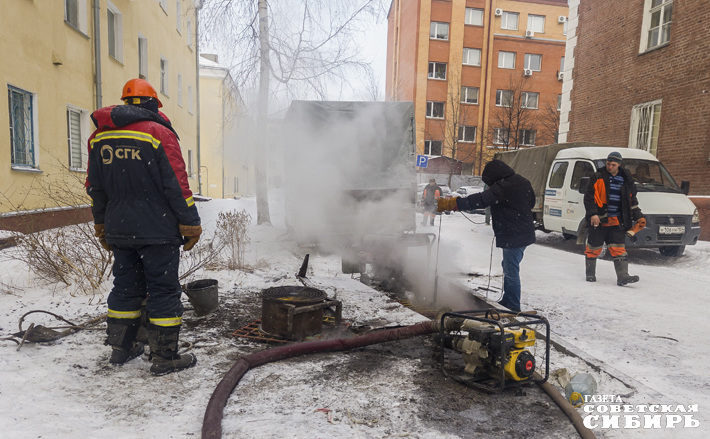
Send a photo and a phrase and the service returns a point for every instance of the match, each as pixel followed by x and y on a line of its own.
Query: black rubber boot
pixel 163 343
pixel 591 265
pixel 621 265
pixel 122 339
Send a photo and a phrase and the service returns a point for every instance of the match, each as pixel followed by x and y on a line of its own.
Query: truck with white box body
pixel 560 174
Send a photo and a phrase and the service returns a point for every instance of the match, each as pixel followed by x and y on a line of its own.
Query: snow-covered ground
pixel 652 332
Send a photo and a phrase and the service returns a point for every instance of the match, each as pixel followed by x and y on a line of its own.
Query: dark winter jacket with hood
pixel 136 177
pixel 511 198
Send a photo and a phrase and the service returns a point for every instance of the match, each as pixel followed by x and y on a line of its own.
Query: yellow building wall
pixel 52 60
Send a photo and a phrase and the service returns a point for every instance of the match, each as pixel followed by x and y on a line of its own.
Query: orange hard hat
pixel 140 88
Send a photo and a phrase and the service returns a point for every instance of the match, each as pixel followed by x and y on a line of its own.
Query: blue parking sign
pixel 422 161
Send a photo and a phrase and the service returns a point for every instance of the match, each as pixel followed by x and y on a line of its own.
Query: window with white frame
pixel 439 31
pixel 536 23
pixel 645 124
pixel 467 134
pixel 432 147
pixel 142 57
pixel 75 14
pixel 435 110
pixel 506 60
pixel 178 15
pixel 527 137
pixel 656 23
pixel 189 164
pixel 437 70
pixel 179 87
pixel 509 20
pixel 533 62
pixel 189 99
pixel 529 99
pixel 474 17
pixel 22 126
pixel 471 57
pixel 559 102
pixel 77 130
pixel 500 136
pixel 114 28
pixel 504 98
pixel 469 95
pixel 164 75
pixel 189 33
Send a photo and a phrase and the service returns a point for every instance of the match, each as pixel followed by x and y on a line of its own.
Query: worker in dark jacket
pixel 511 199
pixel 431 193
pixel 612 211
pixel 143 211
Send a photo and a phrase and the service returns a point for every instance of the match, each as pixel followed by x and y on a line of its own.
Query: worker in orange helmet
pixel 143 212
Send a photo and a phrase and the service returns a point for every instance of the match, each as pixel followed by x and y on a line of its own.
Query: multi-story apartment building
pixel 62 59
pixel 483 74
pixel 640 78
pixel 226 158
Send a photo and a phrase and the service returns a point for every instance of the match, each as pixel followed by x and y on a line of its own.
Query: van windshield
pixel 648 175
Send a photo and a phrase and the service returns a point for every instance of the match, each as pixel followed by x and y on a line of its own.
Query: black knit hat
pixel 614 157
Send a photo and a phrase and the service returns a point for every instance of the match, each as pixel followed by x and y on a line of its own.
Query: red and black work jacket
pixel 136 177
pixel 596 200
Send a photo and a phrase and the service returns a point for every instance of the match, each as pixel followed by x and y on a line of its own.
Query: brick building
pixel 638 76
pixel 464 62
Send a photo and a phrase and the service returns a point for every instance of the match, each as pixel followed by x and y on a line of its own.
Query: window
pixel 469 95
pixel 189 99
pixel 559 171
pixel 645 123
pixel 506 60
pixel 76 132
pixel 564 29
pixel 504 98
pixel 437 70
pixel 562 64
pixel 581 169
pixel 432 147
pixel 189 163
pixel 529 100
pixel 657 23
pixel 439 31
pixel 471 57
pixel 179 87
pixel 75 14
pixel 164 75
pixel 533 62
pixel 178 16
pixel 509 21
pixel 526 137
pixel 114 29
pixel 189 33
pixel 536 23
pixel 435 109
pixel 21 109
pixel 467 134
pixel 559 102
pixel 142 57
pixel 474 17
pixel 500 136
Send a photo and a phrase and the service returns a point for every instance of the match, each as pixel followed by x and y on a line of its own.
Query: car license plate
pixel 666 230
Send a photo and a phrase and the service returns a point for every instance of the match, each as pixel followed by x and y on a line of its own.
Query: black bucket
pixel 203 296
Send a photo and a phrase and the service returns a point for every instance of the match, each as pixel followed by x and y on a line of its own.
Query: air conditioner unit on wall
pixel 527 72
pixel 499 12
pixel 529 34
pixel 560 76
pixel 561 19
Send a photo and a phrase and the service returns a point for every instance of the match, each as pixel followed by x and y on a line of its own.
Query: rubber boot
pixel 122 339
pixel 163 343
pixel 591 265
pixel 622 272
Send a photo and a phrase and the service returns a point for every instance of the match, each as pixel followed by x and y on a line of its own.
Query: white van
pixel 556 172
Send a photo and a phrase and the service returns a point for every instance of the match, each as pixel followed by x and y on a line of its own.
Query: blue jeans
pixel 511 277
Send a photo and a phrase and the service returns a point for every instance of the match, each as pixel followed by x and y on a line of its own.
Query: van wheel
pixel 672 251
pixel 569 236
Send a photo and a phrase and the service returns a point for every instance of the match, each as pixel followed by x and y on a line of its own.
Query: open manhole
pixel 293 312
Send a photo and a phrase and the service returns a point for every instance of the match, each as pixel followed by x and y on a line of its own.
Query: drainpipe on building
pixel 198 6
pixel 97 52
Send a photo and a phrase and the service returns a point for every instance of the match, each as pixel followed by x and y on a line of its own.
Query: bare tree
pixel 305 46
pixel 514 121
pixel 549 123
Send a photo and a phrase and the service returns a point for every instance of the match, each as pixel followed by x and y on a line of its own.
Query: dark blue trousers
pixel 151 270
